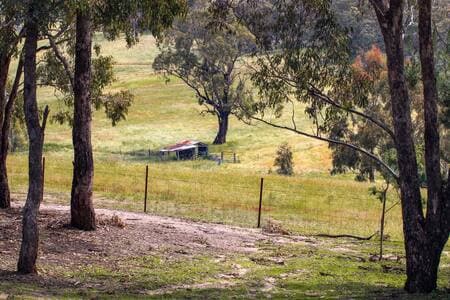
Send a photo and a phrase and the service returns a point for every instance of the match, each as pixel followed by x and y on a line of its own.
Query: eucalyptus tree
pixel 81 79
pixel 38 15
pixel 114 17
pixel 210 61
pixel 11 33
pixel 314 67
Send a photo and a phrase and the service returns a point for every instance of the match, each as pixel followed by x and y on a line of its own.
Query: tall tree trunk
pixel 30 232
pixel 5 60
pixel 430 95
pixel 221 137
pixel 437 213
pixel 423 248
pixel 82 209
pixel 4 138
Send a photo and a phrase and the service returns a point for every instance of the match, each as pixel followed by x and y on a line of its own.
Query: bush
pixel 284 160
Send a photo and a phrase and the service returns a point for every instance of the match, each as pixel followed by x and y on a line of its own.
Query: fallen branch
pixel 361 238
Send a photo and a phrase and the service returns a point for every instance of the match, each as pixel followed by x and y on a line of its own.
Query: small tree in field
pixel 284 160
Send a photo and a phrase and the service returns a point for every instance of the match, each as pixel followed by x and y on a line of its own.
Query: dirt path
pixel 126 234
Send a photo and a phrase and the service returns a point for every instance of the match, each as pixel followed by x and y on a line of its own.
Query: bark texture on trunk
pixel 424 237
pixel 30 232
pixel 430 95
pixel 5 201
pixel 82 209
pixel 221 137
pixel 5 61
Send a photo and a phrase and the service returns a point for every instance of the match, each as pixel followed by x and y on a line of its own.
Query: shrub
pixel 283 161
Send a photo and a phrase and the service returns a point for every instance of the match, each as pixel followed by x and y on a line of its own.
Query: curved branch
pixel 337 142
pixel 62 59
pixel 316 93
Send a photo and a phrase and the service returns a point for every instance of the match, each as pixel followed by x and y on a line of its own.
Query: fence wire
pixel 292 206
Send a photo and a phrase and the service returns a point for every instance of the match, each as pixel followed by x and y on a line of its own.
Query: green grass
pixel 164 113
pixel 201 190
pixel 294 271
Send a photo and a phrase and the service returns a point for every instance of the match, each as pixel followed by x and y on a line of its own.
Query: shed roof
pixel 183 145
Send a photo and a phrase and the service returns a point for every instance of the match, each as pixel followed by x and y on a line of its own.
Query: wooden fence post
pixel 234 157
pixel 146 188
pixel 43 177
pixel 383 213
pixel 221 156
pixel 260 201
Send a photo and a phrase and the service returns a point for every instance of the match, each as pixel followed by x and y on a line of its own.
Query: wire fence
pixel 303 208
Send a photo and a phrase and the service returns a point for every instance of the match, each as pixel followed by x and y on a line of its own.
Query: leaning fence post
pixel 146 188
pixel 260 202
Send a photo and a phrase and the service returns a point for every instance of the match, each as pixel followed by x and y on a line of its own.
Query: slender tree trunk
pixel 82 209
pixel 30 232
pixel 221 137
pixel 5 201
pixel 423 244
pixel 432 153
pixel 5 60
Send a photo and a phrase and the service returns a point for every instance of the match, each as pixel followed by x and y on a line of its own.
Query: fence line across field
pixel 224 200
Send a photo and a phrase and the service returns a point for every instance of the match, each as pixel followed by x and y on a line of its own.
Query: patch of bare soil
pixel 123 234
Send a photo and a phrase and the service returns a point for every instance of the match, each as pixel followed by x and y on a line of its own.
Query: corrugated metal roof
pixel 183 145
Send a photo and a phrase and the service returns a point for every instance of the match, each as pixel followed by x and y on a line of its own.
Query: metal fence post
pixel 260 202
pixel 146 188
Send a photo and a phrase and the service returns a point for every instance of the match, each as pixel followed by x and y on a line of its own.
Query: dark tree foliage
pixel 209 59
pixel 135 17
pixel 369 82
pixel 283 160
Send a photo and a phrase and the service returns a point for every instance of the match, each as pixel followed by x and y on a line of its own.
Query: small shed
pixel 187 149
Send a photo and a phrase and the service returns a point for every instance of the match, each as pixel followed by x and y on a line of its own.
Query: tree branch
pixel 9 107
pixel 316 93
pixel 62 59
pixel 337 142
pixel 45 117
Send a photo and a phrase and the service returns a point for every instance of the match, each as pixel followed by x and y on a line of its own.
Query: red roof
pixel 186 144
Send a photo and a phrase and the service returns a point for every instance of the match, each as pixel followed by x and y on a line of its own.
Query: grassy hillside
pixel 165 113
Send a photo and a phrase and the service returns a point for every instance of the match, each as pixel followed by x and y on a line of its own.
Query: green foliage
pixel 283 160
pixel 311 50
pixel 51 72
pixel 134 17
